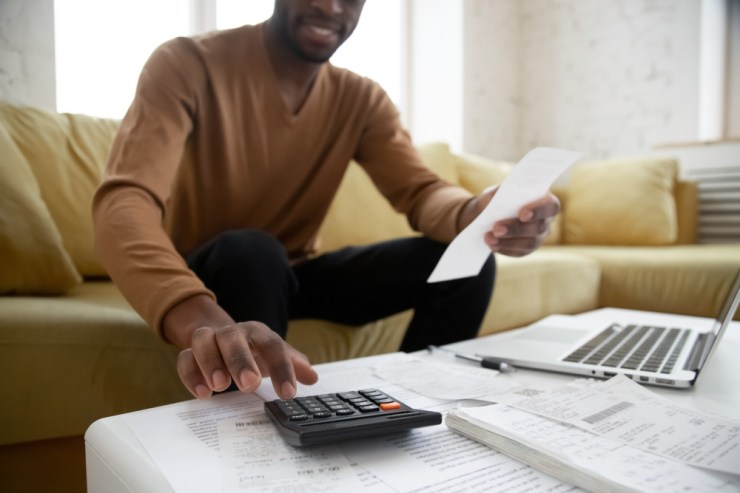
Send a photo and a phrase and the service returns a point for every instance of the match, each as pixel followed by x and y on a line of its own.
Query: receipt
pixel 529 180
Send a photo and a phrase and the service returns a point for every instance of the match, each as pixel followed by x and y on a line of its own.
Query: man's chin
pixel 306 57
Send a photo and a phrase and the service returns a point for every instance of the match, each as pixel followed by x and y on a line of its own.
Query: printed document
pixel 227 443
pixel 528 181
pixel 579 457
pixel 625 411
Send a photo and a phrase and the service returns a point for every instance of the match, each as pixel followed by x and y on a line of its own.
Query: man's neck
pixel 295 76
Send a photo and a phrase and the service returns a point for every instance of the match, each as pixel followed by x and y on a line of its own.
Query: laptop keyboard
pixel 633 347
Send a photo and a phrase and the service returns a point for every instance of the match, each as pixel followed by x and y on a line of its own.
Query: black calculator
pixel 328 418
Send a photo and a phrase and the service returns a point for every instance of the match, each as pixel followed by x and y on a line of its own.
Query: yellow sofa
pixel 72 350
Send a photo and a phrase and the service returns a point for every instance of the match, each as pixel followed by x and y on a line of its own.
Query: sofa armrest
pixel 687 211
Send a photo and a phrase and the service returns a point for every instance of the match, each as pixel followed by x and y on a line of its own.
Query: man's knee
pixel 247 254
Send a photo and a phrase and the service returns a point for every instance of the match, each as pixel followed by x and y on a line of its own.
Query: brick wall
pixel 27 52
pixel 608 77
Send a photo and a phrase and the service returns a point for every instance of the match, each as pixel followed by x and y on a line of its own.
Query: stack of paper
pixel 624 448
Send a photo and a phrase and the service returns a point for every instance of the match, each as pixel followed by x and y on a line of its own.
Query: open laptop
pixel 648 352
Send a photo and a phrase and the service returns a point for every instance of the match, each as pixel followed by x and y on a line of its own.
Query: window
pixel 102 46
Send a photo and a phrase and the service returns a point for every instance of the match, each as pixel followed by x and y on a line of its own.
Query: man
pixel 216 251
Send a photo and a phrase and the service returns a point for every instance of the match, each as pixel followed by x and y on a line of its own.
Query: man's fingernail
pixel 288 390
pixel 500 230
pixel 248 380
pixel 527 215
pixel 219 379
pixel 201 391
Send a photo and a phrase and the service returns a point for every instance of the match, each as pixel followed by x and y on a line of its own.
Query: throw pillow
pixel 32 257
pixel 67 154
pixel 380 221
pixel 477 173
pixel 622 202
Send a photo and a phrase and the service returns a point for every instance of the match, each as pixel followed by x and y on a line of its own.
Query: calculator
pixel 329 418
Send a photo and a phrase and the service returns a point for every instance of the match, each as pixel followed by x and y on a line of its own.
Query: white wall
pixel 607 77
pixel 492 81
pixel 27 73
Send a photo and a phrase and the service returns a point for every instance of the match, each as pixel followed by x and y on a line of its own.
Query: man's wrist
pixel 188 315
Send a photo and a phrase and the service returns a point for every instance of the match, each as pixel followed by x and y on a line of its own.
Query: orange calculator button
pixel 387 406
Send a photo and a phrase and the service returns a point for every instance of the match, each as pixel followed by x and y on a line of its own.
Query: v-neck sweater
pixel 209 145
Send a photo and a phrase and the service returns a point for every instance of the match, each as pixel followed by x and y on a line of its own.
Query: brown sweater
pixel 209 145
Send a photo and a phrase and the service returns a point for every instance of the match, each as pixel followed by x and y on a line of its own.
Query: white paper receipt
pixel 529 180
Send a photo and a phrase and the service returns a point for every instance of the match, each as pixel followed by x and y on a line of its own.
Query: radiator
pixel 719 203
pixel 715 167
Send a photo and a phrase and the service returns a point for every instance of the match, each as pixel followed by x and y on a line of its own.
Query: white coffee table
pixel 117 462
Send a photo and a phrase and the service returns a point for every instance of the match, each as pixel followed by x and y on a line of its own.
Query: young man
pixel 215 250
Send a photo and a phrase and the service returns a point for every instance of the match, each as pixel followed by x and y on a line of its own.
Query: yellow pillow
pixel 622 202
pixel 477 173
pixel 379 221
pixel 358 200
pixel 67 154
pixel 32 258
pixel 438 158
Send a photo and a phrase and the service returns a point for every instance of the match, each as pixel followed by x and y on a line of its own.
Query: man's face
pixel 314 29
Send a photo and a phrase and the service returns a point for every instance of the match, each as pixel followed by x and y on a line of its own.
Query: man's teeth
pixel 321 30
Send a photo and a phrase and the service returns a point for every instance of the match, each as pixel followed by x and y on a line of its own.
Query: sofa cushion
pixel 622 202
pixel 682 279
pixel 544 282
pixel 69 360
pixel 32 256
pixel 324 341
pixel 67 154
pixel 358 197
pixel 476 173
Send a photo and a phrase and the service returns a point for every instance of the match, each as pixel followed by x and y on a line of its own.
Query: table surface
pixel 116 461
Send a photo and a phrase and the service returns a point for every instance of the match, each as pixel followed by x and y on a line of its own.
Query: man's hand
pixel 520 236
pixel 222 351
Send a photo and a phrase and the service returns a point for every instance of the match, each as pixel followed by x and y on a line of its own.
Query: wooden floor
pixel 56 466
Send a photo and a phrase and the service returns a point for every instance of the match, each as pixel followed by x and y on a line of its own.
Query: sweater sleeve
pixel 431 204
pixel 129 205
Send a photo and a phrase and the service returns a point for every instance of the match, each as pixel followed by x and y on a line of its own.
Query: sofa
pixel 72 350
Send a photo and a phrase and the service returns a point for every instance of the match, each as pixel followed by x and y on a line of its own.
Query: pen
pixel 484 361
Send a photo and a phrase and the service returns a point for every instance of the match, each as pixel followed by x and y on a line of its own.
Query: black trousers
pixel 252 279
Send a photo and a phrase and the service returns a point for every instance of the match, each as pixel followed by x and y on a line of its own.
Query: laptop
pixel 640 345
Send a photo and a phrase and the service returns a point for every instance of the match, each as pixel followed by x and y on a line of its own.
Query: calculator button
pixel 387 406
pixel 348 395
pixel 298 417
pixel 384 400
pixel 368 409
pixel 344 412
pixel 321 414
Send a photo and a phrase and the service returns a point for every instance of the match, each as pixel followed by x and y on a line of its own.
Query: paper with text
pixel 182 439
pixel 445 381
pixel 200 445
pixel 606 461
pixel 437 459
pixel 528 181
pixel 255 458
pixel 623 410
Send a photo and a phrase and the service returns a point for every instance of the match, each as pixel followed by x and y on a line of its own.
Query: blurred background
pixel 493 77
